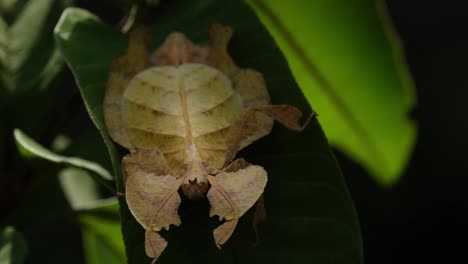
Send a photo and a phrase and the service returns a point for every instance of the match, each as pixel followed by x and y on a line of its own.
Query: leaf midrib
pixel 323 83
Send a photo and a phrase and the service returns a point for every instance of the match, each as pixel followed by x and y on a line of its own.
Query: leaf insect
pixel 184 112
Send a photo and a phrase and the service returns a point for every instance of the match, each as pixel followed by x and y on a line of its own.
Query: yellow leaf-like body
pixel 181 108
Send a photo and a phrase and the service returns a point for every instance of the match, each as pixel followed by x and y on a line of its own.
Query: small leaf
pixel 31 149
pixel 102 237
pixel 79 187
pixel 348 62
pixel 46 219
pixel 310 214
pixel 60 143
pixel 13 248
pixel 232 194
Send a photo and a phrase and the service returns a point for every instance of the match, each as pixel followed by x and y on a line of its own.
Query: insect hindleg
pixel 233 191
pixel 152 196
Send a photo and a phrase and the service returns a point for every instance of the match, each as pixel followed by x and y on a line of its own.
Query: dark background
pixel 423 219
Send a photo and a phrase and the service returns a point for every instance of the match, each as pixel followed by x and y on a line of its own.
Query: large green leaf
pixel 311 217
pixel 27 51
pixel 13 248
pixel 348 62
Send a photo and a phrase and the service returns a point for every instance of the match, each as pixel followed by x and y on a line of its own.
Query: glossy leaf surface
pixel 13 248
pixel 348 62
pixel 31 149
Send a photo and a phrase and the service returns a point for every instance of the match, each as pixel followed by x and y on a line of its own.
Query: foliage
pixel 349 65
pixel 13 248
pixel 99 218
pixel 342 55
pixel 295 152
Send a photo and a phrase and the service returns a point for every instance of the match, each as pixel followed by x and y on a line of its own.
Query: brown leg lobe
pixel 260 217
pixel 154 245
pixel 122 70
pixel 138 54
pixel 232 193
pixel 218 57
pixel 223 232
pixel 151 195
pixel 248 124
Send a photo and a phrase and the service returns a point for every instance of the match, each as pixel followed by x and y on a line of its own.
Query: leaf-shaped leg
pixel 122 70
pixel 260 217
pixel 231 194
pixel 249 83
pixel 218 55
pixel 249 125
pixel 152 198
pixel 154 244
pixel 252 89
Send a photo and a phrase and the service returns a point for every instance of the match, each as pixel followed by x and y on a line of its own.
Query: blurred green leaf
pixel 102 236
pixel 60 143
pixel 7 6
pixel 31 149
pixel 13 248
pixel 79 187
pixel 349 64
pixel 46 219
pixel 27 51
pixel 9 9
pixel 311 217
pixel 88 145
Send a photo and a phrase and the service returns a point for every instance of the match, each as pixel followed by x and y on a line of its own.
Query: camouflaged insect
pixel 184 112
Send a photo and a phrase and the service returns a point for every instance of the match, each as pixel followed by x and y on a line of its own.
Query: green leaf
pixel 31 149
pixel 79 187
pixel 349 64
pixel 13 248
pixel 46 219
pixel 28 56
pixel 311 218
pixel 6 6
pixel 88 145
pixel 102 236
